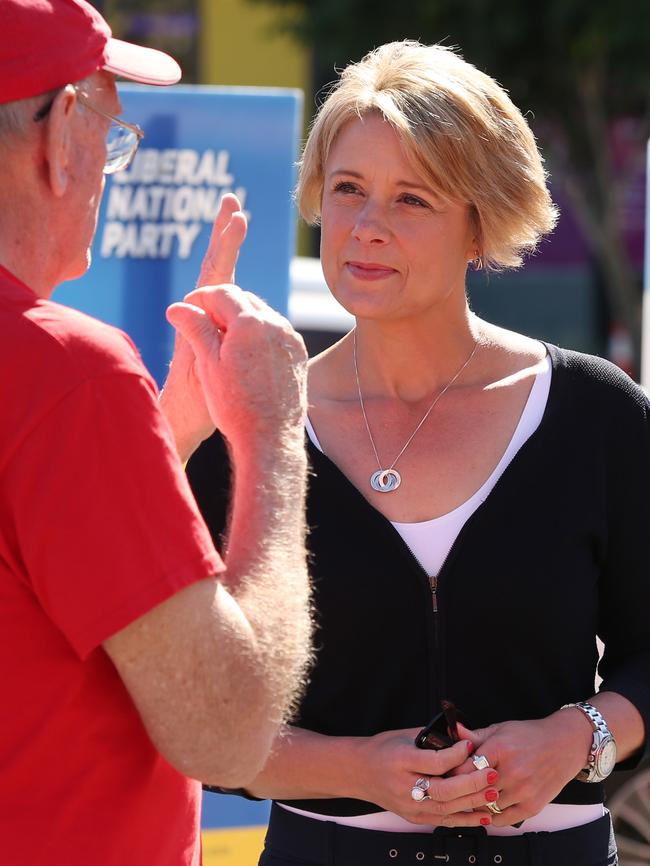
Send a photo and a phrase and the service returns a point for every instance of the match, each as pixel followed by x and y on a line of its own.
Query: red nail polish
pixel 486 821
pixel 492 776
pixel 491 795
pixel 470 746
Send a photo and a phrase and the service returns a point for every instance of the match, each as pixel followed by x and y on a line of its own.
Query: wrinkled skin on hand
pixel 182 398
pixel 391 764
pixel 535 760
pixel 238 364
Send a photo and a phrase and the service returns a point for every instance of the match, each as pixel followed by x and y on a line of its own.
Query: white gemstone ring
pixel 419 790
pixel 480 762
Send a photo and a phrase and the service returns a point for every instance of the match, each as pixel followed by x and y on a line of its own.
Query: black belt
pixel 331 844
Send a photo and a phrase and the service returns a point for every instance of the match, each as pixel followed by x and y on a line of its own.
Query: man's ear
pixel 58 140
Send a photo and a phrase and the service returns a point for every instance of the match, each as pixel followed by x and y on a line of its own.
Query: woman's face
pixel 390 247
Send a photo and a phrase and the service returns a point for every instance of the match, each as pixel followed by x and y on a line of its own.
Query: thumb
pixel 195 325
pixel 475 736
pixel 441 761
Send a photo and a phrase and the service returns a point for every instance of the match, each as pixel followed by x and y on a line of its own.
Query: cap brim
pixel 145 65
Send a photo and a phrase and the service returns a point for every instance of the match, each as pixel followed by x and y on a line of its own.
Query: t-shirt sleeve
pixel 625 589
pixel 104 521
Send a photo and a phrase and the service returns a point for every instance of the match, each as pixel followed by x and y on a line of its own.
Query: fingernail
pixel 491 795
pixel 486 821
pixel 470 746
pixel 492 776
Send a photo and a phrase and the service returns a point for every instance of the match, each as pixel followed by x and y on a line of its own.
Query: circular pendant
pixel 385 480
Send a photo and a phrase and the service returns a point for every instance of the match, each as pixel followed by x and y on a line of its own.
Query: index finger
pixel 223 303
pixel 442 761
pixel 228 233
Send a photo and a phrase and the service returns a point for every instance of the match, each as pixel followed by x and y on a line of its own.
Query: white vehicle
pixel 312 309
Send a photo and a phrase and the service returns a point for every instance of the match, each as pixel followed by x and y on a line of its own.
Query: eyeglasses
pixel 122 138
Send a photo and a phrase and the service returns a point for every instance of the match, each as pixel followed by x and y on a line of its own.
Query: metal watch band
pixel 594 715
pixel 601 733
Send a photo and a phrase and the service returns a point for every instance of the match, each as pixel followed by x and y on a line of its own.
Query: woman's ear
pixel 58 141
pixel 475 248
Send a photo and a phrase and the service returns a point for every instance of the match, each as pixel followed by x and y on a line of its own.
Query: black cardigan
pixel 557 554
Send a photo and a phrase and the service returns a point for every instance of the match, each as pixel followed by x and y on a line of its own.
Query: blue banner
pixel 155 218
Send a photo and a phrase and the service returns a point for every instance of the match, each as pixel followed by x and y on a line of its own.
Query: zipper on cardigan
pixel 433 584
pixel 432 581
pixel 431 578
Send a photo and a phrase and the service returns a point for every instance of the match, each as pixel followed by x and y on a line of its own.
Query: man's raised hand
pixel 182 399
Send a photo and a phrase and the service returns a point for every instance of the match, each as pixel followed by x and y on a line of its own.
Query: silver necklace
pixel 387 480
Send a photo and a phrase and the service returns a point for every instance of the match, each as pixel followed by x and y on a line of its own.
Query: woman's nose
pixel 371 225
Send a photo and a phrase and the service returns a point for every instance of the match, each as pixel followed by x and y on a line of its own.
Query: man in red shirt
pixel 133 659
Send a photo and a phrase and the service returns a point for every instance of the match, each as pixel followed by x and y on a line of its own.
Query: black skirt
pixel 293 840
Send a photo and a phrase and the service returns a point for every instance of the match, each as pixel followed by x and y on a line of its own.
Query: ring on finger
pixel 419 790
pixel 494 808
pixel 480 762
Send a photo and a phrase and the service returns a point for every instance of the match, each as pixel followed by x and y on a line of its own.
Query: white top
pixel 430 542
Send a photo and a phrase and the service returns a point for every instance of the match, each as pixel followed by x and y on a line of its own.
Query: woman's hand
pixel 182 399
pixel 386 767
pixel 535 760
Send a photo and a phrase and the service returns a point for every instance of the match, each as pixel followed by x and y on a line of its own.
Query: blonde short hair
pixel 462 131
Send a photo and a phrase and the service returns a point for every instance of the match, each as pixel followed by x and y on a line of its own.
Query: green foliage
pixel 537 51
pixel 572 66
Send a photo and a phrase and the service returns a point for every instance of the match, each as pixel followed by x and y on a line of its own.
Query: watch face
pixel 606 758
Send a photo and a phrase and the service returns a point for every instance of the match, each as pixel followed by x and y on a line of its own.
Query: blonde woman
pixel 479 506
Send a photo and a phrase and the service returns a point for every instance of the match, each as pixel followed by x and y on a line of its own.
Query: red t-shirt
pixel 97 526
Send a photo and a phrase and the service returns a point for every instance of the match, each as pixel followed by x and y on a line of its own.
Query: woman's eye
pixel 345 186
pixel 407 198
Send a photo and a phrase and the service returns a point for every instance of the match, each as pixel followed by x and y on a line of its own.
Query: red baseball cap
pixel 47 44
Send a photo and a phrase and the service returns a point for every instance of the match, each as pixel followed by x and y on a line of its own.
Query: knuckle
pixel 444 807
pixel 526 792
pixel 246 322
pixel 446 821
pixel 255 299
pixel 286 332
pixel 477 800
pixel 232 291
pixel 192 296
pixel 521 776
pixel 438 764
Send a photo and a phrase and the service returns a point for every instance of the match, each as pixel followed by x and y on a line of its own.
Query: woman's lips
pixel 369 270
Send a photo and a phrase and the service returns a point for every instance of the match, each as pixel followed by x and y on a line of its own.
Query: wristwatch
pixel 602 755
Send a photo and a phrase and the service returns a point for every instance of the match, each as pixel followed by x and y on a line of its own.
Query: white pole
pixel 645 332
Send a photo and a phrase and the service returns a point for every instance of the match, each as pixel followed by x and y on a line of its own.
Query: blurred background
pixel 580 72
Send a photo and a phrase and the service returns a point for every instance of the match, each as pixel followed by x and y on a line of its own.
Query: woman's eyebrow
pixel 347 171
pixel 407 184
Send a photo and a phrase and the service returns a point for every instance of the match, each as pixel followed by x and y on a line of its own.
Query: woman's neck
pixel 412 361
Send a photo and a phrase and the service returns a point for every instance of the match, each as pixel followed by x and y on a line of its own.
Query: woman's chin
pixel 363 305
